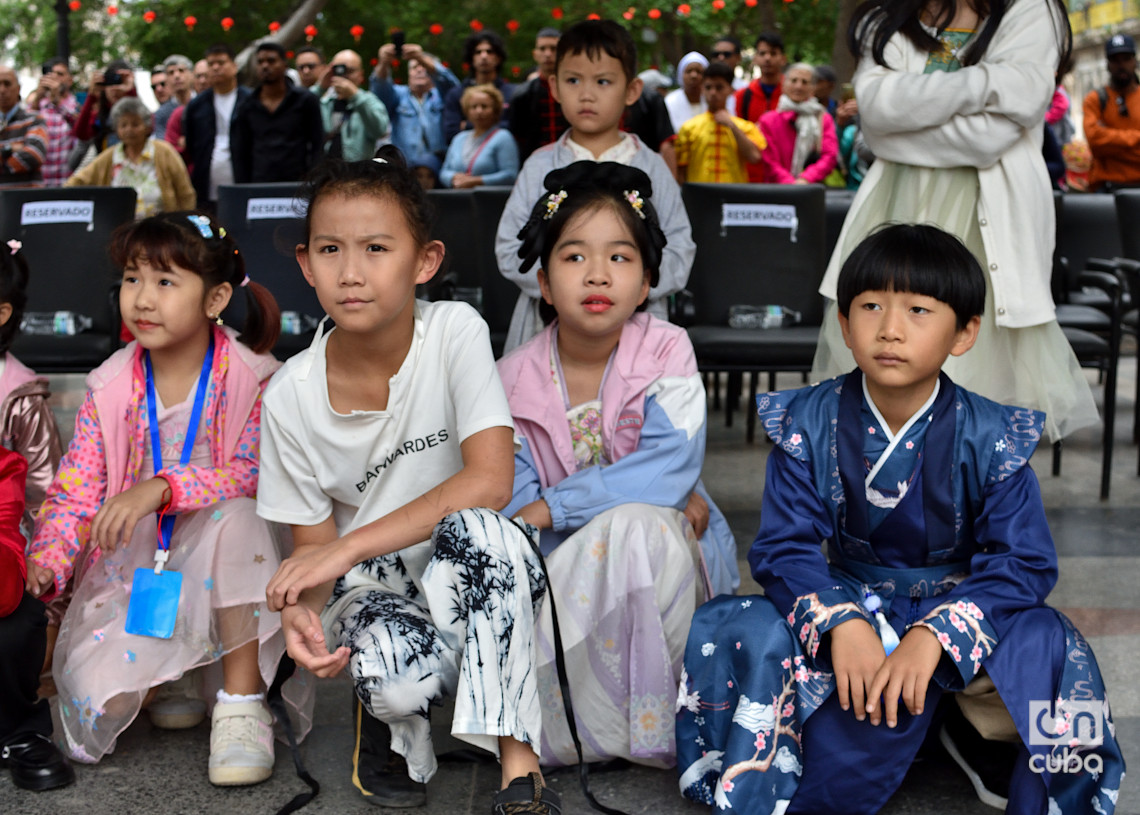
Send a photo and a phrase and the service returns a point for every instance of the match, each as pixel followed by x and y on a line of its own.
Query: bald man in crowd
pixel 23 137
pixel 354 119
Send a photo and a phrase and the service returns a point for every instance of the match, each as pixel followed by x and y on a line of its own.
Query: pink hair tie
pixel 15 246
pixel 244 281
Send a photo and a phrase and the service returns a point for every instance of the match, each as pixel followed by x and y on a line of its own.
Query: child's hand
pixel 115 521
pixel 697 512
pixel 856 655
pixel 723 117
pixel 315 567
pixel 906 673
pixel 40 578
pixel 305 642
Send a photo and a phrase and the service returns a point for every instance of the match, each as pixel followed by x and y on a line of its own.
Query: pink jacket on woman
pixel 106 455
pixel 779 128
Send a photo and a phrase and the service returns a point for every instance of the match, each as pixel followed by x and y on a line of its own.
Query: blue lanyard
pixel 166 520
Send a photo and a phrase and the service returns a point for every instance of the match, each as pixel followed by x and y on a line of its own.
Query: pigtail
pixel 262 318
pixel 13 291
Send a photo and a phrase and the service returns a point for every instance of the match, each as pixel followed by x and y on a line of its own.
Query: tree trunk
pixel 291 30
pixel 841 58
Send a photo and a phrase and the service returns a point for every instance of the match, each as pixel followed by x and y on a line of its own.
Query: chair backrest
pixel 64 232
pixel 499 294
pixel 454 219
pixel 1128 223
pixel 267 221
pixel 837 203
pixel 1087 228
pixel 757 244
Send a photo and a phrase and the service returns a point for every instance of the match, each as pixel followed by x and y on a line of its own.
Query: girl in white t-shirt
pixel 377 441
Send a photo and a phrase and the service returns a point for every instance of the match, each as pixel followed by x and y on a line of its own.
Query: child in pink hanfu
pixel 99 520
pixel 609 411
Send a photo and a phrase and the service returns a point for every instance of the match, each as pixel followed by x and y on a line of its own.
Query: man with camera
pixel 23 137
pixel 53 100
pixel 415 109
pixel 354 119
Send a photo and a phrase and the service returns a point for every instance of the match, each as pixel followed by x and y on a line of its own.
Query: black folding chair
pixel 267 221
pixel 757 244
pixel 64 234
pixel 499 294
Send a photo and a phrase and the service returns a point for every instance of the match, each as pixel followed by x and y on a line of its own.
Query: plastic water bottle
pixel 762 317
pixel 57 323
pixel 294 322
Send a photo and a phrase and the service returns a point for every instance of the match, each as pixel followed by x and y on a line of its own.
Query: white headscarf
pixel 689 59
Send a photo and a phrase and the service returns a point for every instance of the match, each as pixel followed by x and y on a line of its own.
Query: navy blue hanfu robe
pixel 944 522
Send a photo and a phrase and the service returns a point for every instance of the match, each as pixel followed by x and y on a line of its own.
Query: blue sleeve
pixel 452 163
pixel 506 154
pixel 662 471
pixel 528 487
pixel 444 80
pixel 385 90
pixel 1015 570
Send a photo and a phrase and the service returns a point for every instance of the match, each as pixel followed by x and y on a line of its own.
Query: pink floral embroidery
pixel 804 631
pixel 976 653
pixel 761 742
pixel 954 652
pixel 801 674
pixel 944 638
pixel 910 445
pixel 871 430
pixel 957 622
pixel 787 663
pixel 795 438
pixel 789 709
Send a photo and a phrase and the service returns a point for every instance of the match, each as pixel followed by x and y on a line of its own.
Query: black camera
pixel 340 70
pixel 398 40
pixel 113 78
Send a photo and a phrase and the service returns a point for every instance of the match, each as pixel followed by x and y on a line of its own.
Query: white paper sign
pixel 58 212
pixel 777 216
pixel 274 209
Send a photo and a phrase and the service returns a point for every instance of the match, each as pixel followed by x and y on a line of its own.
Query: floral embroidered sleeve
pixel 966 636
pixel 197 487
pixel 817 613
pixel 79 489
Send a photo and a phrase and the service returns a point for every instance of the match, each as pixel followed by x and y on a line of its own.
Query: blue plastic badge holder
pixel 155 593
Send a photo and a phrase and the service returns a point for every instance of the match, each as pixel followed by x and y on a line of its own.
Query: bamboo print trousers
pixel 471 633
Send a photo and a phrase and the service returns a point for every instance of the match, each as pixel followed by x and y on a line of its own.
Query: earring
pixel 217 318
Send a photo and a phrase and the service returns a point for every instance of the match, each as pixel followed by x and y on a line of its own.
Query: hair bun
pixel 599 175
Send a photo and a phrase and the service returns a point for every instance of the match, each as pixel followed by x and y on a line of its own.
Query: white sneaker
pixel 241 744
pixel 176 706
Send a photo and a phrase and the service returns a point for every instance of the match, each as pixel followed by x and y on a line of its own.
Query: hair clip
pixel 635 201
pixel 203 224
pixel 379 160
pixel 15 245
pixel 221 231
pixel 244 280
pixel 553 201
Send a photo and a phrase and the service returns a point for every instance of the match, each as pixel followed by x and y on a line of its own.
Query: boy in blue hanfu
pixel 816 697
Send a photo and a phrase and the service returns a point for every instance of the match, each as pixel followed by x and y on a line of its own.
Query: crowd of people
pixel 530 535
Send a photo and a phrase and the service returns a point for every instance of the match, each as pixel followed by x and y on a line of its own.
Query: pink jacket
pixel 106 455
pixel 779 129
pixel 649 349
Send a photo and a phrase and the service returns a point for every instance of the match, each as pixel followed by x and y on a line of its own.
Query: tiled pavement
pixel 165 772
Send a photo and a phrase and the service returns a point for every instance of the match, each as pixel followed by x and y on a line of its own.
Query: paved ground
pixel 164 773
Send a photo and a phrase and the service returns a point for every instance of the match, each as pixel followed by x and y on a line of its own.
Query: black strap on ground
pixel 285 670
pixel 564 684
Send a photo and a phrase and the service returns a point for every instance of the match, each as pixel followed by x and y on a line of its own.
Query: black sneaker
pixel 36 763
pixel 378 771
pixel 527 796
pixel 988 764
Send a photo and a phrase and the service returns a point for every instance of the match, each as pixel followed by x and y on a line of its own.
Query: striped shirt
pixel 23 146
pixel 59 118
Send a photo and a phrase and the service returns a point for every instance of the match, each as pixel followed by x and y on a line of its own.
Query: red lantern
pixel 684 9
pixel 750 3
pixel 149 16
pixel 515 70
pixel 75 5
pixel 357 31
pixel 373 62
pixel 556 13
pixel 289 55
pixel 435 29
pixel 310 32
pixel 227 23
pixel 476 26
pixel 191 21
pixel 654 14
pixel 395 64
pixel 112 10
pixel 512 26
pixel 593 16
pixel 627 14
pixel 274 27
pixel 718 4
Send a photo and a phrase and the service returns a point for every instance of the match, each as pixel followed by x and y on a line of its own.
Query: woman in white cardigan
pixel 951 104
